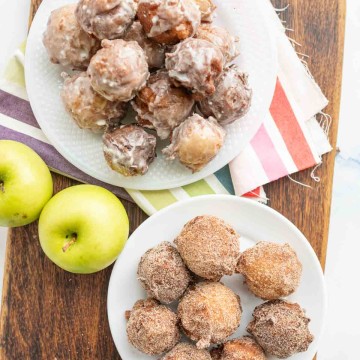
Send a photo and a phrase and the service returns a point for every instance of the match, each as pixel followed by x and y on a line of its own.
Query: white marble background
pixel 342 331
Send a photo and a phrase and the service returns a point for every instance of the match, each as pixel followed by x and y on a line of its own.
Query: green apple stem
pixel 71 242
pixel 2 187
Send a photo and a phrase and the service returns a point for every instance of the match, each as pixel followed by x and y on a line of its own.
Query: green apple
pixel 83 228
pixel 25 184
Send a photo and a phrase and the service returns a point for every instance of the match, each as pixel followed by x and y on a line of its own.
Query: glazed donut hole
pixel 129 150
pixel 119 70
pixel 231 99
pixel 207 8
pixel 195 142
pixel 152 328
pixel 195 64
pixel 169 21
pixel 106 19
pixel 66 42
pixel 88 109
pixel 162 106
pixel 155 52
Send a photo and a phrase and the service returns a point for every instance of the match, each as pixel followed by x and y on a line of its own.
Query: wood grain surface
pixel 50 314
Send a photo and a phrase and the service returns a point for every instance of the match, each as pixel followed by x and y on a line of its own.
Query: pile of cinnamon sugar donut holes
pixel 163 58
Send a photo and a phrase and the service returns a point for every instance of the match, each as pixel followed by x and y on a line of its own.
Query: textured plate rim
pixel 246 202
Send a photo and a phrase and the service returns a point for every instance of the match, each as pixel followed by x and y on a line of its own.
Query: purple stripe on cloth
pixel 55 161
pixel 17 108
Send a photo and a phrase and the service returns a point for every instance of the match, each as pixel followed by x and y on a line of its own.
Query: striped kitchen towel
pixel 289 140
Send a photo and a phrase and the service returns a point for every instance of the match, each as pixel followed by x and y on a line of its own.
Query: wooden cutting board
pixel 50 314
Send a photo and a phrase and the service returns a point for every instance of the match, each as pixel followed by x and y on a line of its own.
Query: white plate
pixel 254 222
pixel 84 149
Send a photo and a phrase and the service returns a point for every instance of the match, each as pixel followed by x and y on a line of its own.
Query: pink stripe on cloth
pixel 268 155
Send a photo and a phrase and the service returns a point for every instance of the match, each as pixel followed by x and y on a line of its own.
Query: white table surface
pixel 342 333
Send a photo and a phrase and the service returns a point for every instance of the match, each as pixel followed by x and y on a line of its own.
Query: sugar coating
pixel 271 270
pixel 231 99
pixel 106 19
pixel 129 150
pixel 195 142
pixel 89 109
pixel 221 38
pixel 152 328
pixel 162 106
pixel 281 328
pixel 118 70
pixel 245 348
pixel 155 52
pixel 185 351
pixel 163 274
pixel 209 247
pixel 209 312
pixel 195 64
pixel 169 21
pixel 66 42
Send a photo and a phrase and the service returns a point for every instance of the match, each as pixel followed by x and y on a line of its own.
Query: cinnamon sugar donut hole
pixel 271 270
pixel 89 109
pixel 185 351
pixel 129 150
pixel 119 70
pixel 209 312
pixel 163 274
pixel 221 38
pixel 155 52
pixel 207 8
pixel 106 19
pixel 195 64
pixel 162 106
pixel 245 348
pixel 169 21
pixel 152 328
pixel 281 328
pixel 66 42
pixel 209 247
pixel 195 142
pixel 231 99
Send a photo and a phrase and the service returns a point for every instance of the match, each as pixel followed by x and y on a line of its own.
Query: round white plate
pixel 254 222
pixel 84 149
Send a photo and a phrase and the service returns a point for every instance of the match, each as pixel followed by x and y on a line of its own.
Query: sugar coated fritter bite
pixel 231 99
pixel 118 70
pixel 209 247
pixel 209 312
pixel 106 19
pixel 169 21
pixel 281 328
pixel 129 149
pixel 89 109
pixel 221 38
pixel 195 142
pixel 155 52
pixel 66 42
pixel 163 274
pixel 271 270
pixel 152 328
pixel 207 8
pixel 162 106
pixel 195 64
pixel 245 348
pixel 185 351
